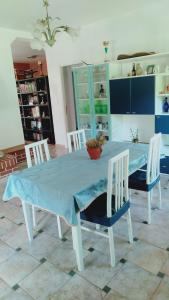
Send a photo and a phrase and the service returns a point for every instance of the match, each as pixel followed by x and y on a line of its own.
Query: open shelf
pixel 36 118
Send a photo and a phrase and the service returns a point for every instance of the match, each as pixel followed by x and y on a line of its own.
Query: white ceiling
pixel 21 14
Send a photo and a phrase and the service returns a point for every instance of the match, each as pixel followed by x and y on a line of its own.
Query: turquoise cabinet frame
pixel 85 88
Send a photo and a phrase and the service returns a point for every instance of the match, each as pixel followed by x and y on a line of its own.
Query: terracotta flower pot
pixel 94 153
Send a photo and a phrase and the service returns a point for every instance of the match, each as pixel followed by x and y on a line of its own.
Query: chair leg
pixel 73 241
pixel 111 245
pixel 130 229
pixel 159 188
pixel 149 207
pixel 77 243
pixel 59 227
pixel 27 210
pixel 130 194
pixel 97 226
pixel 34 216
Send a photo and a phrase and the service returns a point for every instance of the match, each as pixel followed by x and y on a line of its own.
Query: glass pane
pixel 102 125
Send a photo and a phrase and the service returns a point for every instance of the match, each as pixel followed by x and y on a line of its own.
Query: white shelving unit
pixel 121 124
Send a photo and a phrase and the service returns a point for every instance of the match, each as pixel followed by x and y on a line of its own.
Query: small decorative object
pixel 133 70
pixel 167 69
pixel 150 69
pixel 134 134
pixel 156 69
pixel 46 29
pixel 101 91
pixel 139 69
pixel 33 124
pixel 31 101
pixel 43 114
pixel 94 146
pixel 1 154
pixel 40 67
pixel 137 54
pixel 39 124
pixel 165 106
pixel 106 48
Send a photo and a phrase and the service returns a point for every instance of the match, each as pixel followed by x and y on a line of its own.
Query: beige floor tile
pixel 160 217
pixel 17 267
pixel 113 295
pixel 4 289
pixel 11 212
pixel 6 226
pixel 154 234
pixel 134 282
pixel 98 270
pixel 64 257
pixel 162 292
pixel 42 246
pixel 165 268
pixel 17 237
pixel 122 247
pixel 5 252
pixel 78 289
pixel 49 225
pixel 44 281
pixel 148 257
pixel 17 295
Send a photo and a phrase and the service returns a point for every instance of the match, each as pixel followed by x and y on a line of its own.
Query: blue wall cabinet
pixel 143 95
pixel 91 88
pixel 120 96
pixel 133 95
pixel 162 124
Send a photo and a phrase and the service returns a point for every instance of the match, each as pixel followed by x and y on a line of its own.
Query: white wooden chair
pixel 109 207
pixel 146 180
pixel 76 140
pixel 37 153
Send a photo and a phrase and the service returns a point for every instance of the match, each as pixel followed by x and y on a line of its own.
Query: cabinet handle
pixel 127 112
pixel 133 112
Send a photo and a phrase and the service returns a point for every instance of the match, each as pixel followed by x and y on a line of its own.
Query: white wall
pixel 142 30
pixel 122 125
pixel 11 133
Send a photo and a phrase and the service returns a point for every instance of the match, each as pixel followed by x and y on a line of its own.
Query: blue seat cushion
pixel 137 181
pixel 96 212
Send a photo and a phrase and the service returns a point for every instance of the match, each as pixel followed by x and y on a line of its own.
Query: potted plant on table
pixel 134 134
pixel 94 146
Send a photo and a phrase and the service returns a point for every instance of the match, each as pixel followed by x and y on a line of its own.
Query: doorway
pixel 33 92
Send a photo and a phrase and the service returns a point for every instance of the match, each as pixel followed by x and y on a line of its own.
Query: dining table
pixel 68 184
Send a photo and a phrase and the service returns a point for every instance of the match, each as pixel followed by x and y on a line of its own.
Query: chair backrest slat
pixel 35 154
pixel 76 140
pixel 153 163
pixel 117 181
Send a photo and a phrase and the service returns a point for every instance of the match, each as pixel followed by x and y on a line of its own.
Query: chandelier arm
pixel 48 23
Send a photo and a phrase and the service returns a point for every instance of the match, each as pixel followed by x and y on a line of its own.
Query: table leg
pixel 27 210
pixel 77 242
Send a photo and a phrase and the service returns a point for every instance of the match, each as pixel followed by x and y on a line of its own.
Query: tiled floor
pixel 47 268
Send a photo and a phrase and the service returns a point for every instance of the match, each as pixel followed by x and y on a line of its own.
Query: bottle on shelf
pixel 133 70
pixel 165 105
pixel 101 91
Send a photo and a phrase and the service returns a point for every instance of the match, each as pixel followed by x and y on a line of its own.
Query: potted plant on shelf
pixel 94 146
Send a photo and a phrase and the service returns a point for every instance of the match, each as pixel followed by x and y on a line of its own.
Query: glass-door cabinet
pixel 100 89
pixel 91 89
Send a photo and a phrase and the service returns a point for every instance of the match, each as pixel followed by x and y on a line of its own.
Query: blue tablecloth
pixel 71 182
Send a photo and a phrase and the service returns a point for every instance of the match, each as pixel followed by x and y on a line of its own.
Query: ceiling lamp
pixel 46 29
